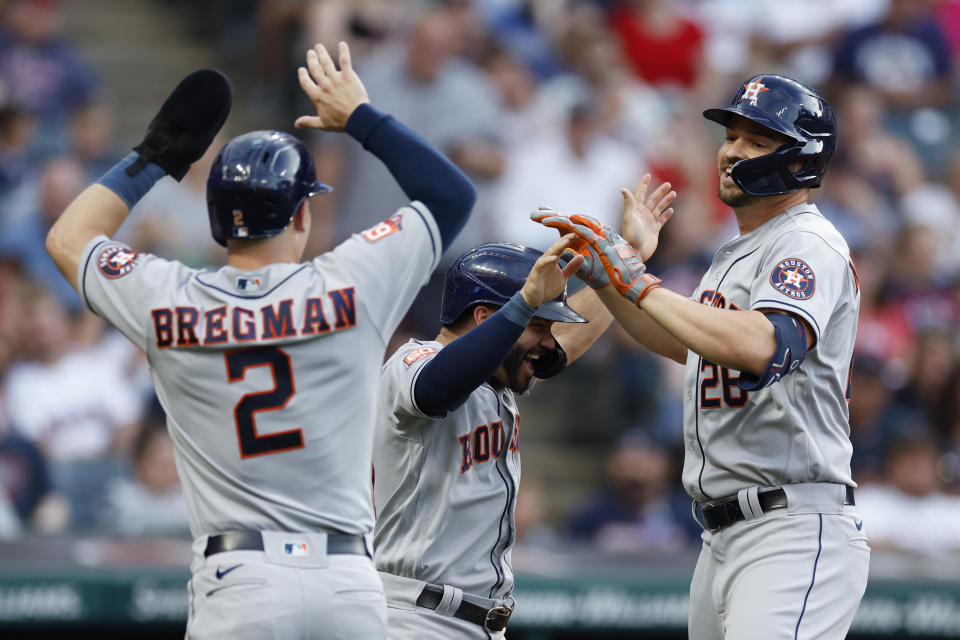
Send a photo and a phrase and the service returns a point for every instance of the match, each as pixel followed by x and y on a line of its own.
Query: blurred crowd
pixel 555 103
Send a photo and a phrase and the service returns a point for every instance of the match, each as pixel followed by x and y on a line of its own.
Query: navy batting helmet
pixel 492 273
pixel 257 183
pixel 794 110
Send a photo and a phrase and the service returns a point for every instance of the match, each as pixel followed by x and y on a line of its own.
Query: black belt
pixel 253 541
pixel 492 620
pixel 719 514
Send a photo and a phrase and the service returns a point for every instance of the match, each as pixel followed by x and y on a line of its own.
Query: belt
pixel 492 620
pixel 253 541
pixel 719 514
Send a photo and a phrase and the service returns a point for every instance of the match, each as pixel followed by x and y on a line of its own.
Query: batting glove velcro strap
pixel 186 124
pixel 642 286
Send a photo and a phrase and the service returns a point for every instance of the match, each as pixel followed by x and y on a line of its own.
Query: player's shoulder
pixel 115 260
pixel 411 352
pixel 806 223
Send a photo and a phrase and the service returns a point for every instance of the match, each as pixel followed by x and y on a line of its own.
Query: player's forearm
pixel 422 172
pixel 739 339
pixel 642 327
pixel 97 210
pixel 576 337
pixel 463 365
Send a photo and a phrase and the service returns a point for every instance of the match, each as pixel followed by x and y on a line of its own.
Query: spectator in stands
pixel 27 501
pixel 577 166
pixel 641 509
pixel 149 502
pixel 17 131
pixel 533 530
pixel 41 72
pixel 663 46
pixel 934 356
pixel 910 512
pixel 448 101
pixel 60 180
pixel 92 141
pixel 904 57
pixel 876 418
pixel 78 406
pixel 947 424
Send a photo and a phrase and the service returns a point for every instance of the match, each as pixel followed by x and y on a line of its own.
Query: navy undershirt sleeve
pixel 422 172
pixel 463 365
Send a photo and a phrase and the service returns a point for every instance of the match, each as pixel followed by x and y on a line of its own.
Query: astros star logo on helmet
pixel 752 91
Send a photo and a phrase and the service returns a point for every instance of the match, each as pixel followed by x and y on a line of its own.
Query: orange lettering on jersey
pixel 383 229
pixel 417 354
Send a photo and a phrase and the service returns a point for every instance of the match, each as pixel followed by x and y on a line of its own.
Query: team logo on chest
pixel 116 262
pixel 793 278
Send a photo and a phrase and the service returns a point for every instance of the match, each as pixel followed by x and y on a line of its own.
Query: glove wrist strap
pixel 641 287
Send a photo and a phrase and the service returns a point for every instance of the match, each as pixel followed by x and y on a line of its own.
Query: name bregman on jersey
pixel 187 326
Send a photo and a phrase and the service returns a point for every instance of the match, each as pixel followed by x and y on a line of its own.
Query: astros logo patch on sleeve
pixel 413 356
pixel 116 262
pixel 793 278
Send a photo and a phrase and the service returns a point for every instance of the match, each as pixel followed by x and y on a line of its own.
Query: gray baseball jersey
pixel 263 374
pixel 445 487
pixel 798 263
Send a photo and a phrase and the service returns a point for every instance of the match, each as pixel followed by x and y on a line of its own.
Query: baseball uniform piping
pixel 263 295
pixel 812 579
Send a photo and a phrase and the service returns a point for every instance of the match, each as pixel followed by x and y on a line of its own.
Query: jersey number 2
pixel 252 444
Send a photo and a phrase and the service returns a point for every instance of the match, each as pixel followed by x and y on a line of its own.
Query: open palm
pixel 645 214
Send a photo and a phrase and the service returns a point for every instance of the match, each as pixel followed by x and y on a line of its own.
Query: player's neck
pixel 761 210
pixel 251 255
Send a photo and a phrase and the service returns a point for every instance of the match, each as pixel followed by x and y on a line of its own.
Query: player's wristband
pixel 131 188
pixel 517 311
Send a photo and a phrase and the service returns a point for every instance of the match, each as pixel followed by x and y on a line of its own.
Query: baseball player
pixel 446 454
pixel 767 341
pixel 268 367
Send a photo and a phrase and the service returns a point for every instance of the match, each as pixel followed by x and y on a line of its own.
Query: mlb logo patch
pixel 295 549
pixel 248 284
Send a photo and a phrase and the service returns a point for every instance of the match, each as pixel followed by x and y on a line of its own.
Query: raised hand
pixel 620 264
pixel 548 279
pixel 591 271
pixel 645 214
pixel 335 93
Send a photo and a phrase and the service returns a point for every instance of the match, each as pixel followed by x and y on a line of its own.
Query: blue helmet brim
pixel 558 311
